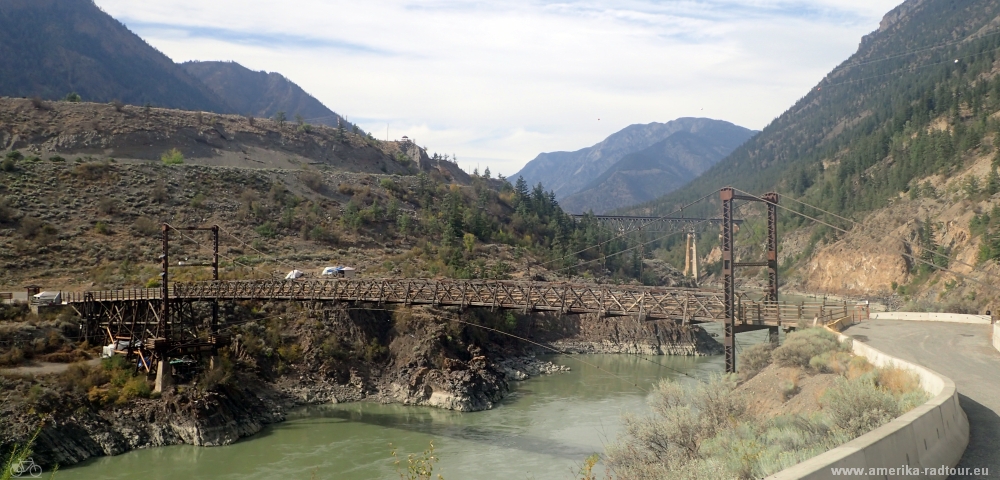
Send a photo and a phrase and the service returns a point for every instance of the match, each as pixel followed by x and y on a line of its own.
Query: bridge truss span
pixel 646 302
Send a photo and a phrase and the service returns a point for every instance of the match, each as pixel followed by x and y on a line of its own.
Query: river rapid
pixel 544 429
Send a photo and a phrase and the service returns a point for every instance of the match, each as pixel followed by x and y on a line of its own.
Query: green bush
pixel 802 345
pixel 858 406
pixel 754 359
pixel 172 157
pixel 267 230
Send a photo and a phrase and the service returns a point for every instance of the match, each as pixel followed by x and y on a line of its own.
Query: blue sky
pixel 495 83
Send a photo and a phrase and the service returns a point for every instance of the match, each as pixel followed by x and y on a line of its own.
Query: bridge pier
pixel 164 376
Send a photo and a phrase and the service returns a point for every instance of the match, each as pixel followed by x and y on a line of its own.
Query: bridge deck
pixel 682 304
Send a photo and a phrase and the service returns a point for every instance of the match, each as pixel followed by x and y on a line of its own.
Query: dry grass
pixel 897 381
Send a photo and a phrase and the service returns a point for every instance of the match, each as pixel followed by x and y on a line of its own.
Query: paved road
pixel 961 352
pixel 44 368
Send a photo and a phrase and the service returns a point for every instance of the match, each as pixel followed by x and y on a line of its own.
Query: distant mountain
pixel 659 169
pixel 566 173
pixel 49 48
pixel 261 94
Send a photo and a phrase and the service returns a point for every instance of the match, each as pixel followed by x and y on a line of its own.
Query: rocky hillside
pixel 49 48
pixel 901 138
pixel 262 94
pixel 566 173
pixel 69 130
pixel 659 169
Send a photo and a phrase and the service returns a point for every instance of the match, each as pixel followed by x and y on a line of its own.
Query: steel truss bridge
pixel 178 319
pixel 627 223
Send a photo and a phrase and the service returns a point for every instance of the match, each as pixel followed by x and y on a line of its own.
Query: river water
pixel 543 430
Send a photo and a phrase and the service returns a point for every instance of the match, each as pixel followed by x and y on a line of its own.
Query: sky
pixel 495 83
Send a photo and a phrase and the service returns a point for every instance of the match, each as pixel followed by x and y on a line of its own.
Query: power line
pixel 857 224
pixel 907 70
pixel 908 255
pixel 919 50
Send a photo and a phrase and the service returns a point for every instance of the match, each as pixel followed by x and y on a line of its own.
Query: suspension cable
pixel 657 239
pixel 196 242
pixel 626 232
pixel 245 244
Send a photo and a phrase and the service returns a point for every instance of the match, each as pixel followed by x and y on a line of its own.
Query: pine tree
pixel 993 182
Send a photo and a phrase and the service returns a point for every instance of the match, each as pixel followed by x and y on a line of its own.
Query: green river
pixel 543 430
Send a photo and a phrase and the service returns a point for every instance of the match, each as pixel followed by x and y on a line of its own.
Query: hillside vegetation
pixel 662 167
pixel 83 188
pixel 49 48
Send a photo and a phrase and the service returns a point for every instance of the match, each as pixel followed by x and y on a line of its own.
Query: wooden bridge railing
pixel 609 300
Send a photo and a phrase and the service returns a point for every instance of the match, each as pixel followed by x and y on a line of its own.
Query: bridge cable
pixel 657 239
pixel 547 347
pixel 245 244
pixel 196 242
pixel 626 232
pixel 908 255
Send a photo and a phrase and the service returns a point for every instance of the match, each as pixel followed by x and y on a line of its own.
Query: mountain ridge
pixel 658 169
pixel 566 173
pixel 260 93
pixel 86 51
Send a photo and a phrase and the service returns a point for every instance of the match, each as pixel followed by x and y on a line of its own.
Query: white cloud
pixel 498 82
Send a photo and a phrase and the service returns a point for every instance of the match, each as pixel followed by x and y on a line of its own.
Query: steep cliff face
pixel 594 334
pixel 885 253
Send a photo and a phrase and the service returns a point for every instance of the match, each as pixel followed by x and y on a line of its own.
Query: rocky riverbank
pixel 411 356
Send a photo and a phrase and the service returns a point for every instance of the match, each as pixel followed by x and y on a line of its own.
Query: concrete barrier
pixel 929 436
pixel 996 336
pixel 932 317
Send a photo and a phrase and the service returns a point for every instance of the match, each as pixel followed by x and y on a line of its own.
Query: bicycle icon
pixel 26 467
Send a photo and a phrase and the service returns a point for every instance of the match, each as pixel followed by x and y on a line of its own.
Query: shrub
pixel 267 230
pixel 290 353
pixel 831 362
pixel 133 387
pixel 858 406
pixel 172 157
pixel 119 106
pixel 40 104
pixel 92 170
pixel 8 165
pixel 754 359
pixel 102 228
pixel 56 159
pixel 73 97
pixel 146 226
pixel 107 206
pixel 160 193
pixel 801 346
pixel 198 201
pixel 6 212
pixel 313 181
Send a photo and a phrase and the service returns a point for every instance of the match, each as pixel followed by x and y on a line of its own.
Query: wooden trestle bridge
pixel 178 319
